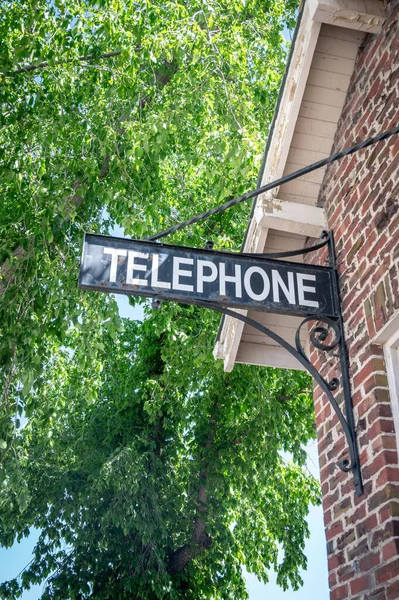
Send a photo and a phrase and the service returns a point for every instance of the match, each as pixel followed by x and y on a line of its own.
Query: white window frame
pixel 388 337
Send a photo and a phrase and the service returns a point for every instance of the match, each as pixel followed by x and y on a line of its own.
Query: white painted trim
pixel 296 79
pixel 389 337
pixel 362 15
pixel 391 354
pixel 292 217
pixel 274 356
pixel 287 216
pixel 388 331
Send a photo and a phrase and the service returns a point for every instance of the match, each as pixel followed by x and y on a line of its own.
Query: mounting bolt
pixel 156 304
pixel 209 245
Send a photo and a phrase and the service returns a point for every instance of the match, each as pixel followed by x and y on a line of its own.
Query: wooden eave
pixel 311 100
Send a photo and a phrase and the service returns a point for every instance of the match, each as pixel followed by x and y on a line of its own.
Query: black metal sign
pixel 189 275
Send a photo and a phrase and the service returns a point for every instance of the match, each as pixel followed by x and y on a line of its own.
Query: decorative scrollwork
pixel 319 334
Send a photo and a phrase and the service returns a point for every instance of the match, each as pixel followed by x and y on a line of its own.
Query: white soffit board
pixel 317 80
pixel 362 15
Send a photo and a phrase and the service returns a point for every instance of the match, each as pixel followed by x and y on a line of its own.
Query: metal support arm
pixel 318 336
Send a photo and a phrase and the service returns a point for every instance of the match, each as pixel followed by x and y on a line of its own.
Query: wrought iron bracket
pixel 325 328
pixel 99 274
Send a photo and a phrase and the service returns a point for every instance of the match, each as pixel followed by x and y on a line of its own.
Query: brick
pixel 369 561
pixel 360 584
pixel 380 426
pixel 324 488
pixel 346 538
pixel 360 196
pixel 394 508
pixel 355 248
pixel 381 535
pixel 329 501
pixel 392 592
pixel 339 593
pixel 339 476
pixel 387 457
pixel 332 579
pixel 372 351
pixel 388 475
pixel 327 517
pixel 358 551
pixel 322 461
pixel 335 560
pixel 346 572
pixel 364 456
pixel 384 514
pixel 369 316
pixel 383 442
pixel 378 411
pixel 365 405
pixel 347 488
pixel 325 442
pixel 375 381
pixel 381 496
pixel 368 488
pixel 391 549
pixel 342 507
pixel 335 529
pixel 356 516
pixel 378 594
pixel 367 525
pixel 387 571
pixel 365 373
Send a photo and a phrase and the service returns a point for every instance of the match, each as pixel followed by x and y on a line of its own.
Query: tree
pixel 150 472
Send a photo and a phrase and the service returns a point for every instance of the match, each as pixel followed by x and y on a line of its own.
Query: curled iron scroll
pixel 299 353
pixel 317 337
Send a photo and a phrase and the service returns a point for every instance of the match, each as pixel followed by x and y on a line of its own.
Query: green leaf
pixel 134 432
pixel 23 500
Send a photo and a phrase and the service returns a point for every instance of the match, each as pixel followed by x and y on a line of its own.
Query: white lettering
pixel 131 266
pixel 277 281
pixel 201 278
pixel 247 284
pixel 114 252
pixel 177 273
pixel 236 278
pixel 154 272
pixel 301 277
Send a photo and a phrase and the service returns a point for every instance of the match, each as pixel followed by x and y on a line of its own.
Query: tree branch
pixel 7 269
pixel 201 540
pixel 162 77
pixel 43 65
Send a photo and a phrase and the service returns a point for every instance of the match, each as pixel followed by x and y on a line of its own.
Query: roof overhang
pixel 299 129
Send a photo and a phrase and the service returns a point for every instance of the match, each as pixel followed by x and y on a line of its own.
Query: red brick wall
pixel 360 196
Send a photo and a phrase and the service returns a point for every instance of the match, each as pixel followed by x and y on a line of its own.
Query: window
pixel 389 338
